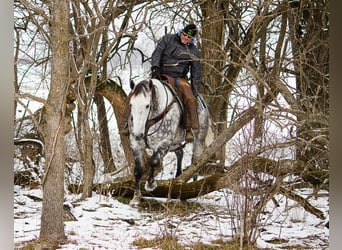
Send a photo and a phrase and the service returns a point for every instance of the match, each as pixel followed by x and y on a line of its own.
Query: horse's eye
pixel 147 106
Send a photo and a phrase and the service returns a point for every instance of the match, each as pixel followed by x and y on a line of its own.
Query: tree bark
pixel 309 25
pixel 52 224
pixel 213 37
pixel 104 141
pixel 117 98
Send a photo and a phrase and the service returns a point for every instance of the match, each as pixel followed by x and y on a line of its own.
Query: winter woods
pixel 265 79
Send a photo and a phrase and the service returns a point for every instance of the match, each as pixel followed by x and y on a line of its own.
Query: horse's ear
pixel 131 84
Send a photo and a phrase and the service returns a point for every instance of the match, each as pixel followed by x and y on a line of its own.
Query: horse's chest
pixel 161 130
pixel 160 133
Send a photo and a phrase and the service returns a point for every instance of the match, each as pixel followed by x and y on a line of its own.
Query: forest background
pixel 247 54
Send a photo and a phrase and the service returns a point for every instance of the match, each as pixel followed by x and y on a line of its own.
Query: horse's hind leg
pixel 179 154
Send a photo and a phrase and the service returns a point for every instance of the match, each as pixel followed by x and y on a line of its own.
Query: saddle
pixel 170 82
pixel 189 104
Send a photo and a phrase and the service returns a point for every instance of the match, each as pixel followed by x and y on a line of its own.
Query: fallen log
pixel 165 189
pixel 173 189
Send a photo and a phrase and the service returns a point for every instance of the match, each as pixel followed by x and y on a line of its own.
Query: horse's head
pixel 140 105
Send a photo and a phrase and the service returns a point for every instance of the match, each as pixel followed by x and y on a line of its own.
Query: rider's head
pixel 188 33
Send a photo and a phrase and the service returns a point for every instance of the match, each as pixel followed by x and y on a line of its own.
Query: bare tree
pixel 309 25
pixel 106 150
pixel 52 222
pixel 97 39
pixel 251 52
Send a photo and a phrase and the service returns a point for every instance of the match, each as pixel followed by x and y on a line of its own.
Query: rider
pixel 174 56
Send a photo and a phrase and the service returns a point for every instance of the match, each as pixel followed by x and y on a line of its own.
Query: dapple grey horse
pixel 155 123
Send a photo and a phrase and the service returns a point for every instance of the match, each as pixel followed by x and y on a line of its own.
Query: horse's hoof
pixel 150 186
pixel 135 202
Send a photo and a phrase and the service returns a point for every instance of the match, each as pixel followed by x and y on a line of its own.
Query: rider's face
pixel 185 38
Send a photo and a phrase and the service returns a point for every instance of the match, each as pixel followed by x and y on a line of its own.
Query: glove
pixel 155 72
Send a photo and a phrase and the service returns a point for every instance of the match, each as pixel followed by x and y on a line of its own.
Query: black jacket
pixel 176 59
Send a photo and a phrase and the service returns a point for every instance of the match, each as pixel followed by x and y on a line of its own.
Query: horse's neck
pixel 163 97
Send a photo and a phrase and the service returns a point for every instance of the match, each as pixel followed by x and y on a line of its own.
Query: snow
pixel 103 222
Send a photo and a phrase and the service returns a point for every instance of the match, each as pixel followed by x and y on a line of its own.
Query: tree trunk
pixel 85 147
pixel 88 162
pixel 105 146
pixel 259 119
pixel 52 224
pixel 85 138
pixel 183 191
pixel 117 98
pixel 213 37
pixel 309 36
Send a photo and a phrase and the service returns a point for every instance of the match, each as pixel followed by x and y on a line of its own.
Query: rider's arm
pixel 195 71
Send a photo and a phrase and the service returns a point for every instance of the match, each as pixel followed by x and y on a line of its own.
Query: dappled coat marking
pixel 155 123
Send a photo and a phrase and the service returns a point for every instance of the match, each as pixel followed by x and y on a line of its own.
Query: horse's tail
pixel 209 138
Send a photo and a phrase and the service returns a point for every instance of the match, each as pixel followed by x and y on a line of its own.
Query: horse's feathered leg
pixel 179 154
pixel 199 140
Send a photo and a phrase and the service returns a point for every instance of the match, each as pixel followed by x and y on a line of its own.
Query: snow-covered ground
pixel 104 222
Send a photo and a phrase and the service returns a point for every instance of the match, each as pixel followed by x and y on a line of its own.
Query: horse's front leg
pixel 151 184
pixel 135 202
pixel 155 159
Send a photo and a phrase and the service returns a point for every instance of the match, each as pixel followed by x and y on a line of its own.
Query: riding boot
pixel 191 120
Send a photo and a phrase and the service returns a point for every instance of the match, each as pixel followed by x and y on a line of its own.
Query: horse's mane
pixel 144 87
pixel 141 87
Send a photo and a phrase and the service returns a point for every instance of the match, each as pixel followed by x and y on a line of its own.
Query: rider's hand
pixel 155 72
